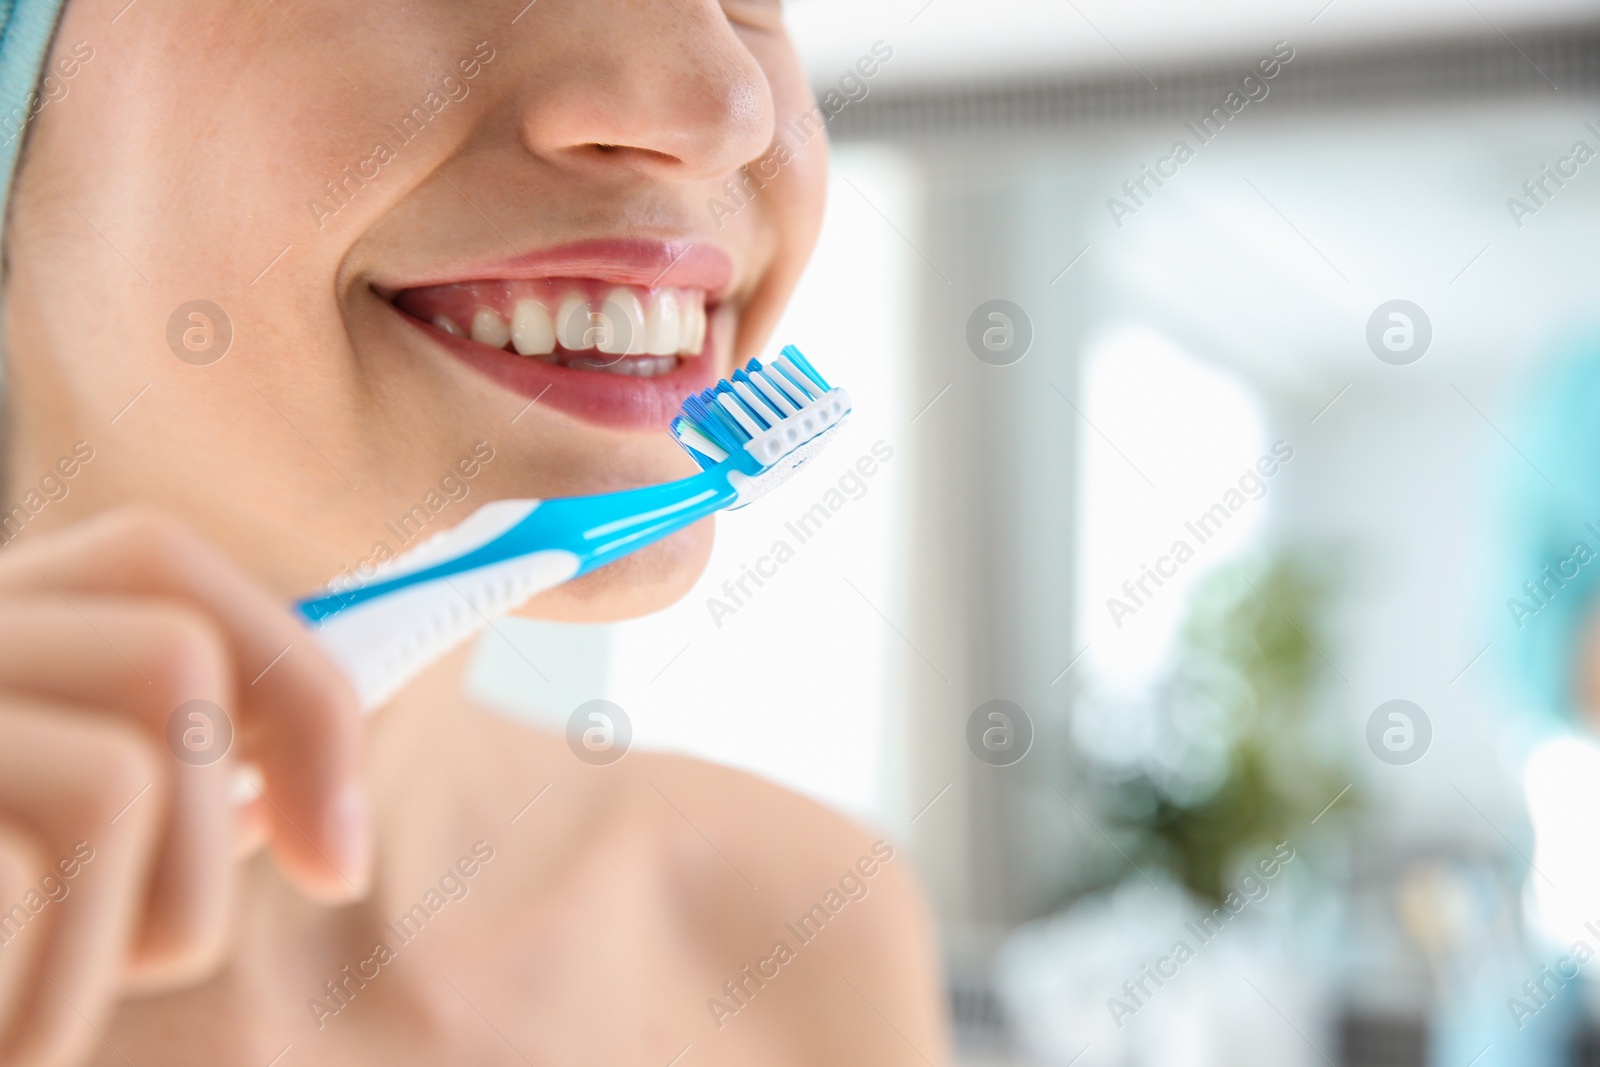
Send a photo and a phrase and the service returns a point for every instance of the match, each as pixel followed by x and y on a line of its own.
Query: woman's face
pixel 462 250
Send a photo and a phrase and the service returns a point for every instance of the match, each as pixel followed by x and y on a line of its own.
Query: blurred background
pixel 1201 590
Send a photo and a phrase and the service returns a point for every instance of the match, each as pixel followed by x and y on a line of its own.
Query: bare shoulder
pixel 820 924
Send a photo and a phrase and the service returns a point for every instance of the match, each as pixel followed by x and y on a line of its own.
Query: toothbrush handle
pixel 381 642
pixel 419 606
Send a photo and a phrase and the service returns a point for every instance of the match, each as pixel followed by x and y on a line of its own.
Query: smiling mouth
pixel 575 323
pixel 615 332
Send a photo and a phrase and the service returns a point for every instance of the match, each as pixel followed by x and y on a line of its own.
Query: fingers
pixel 296 710
pixel 21 863
pixel 90 792
pixel 83 655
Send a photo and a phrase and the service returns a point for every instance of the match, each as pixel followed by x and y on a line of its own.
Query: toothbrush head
pixel 765 422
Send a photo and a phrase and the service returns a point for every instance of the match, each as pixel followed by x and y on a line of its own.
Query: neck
pixel 433 781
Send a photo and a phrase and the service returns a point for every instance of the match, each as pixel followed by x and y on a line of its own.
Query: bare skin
pixel 1586 683
pixel 601 922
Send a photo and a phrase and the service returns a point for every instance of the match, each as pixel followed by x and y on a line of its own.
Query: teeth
pixel 693 338
pixel 663 321
pixel 653 327
pixel 638 367
pixel 533 331
pixel 572 324
pixel 622 323
pixel 489 329
pixel 651 366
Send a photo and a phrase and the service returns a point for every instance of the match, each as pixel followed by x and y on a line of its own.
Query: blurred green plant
pixel 1241 753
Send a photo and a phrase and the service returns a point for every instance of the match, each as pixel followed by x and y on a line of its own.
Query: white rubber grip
pixel 383 643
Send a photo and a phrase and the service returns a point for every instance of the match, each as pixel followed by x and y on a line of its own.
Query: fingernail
pixel 350 836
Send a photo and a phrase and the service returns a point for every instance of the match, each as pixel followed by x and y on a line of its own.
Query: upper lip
pixel 681 264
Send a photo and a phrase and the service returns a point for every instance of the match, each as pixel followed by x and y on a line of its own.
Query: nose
pixel 662 87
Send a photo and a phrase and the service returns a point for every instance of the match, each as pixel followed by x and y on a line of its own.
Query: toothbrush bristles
pixel 720 421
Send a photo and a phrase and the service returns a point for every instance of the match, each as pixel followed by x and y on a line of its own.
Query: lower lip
pixel 597 397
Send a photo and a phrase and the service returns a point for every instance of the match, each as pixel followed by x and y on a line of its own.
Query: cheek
pixel 798 191
pixel 804 197
pixel 802 187
pixel 791 204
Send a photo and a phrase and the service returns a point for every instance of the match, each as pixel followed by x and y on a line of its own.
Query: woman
pixel 274 273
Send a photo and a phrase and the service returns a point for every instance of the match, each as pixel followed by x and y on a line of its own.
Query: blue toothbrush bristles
pixel 719 421
pixel 792 353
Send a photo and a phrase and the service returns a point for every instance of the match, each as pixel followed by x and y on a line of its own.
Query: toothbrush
pixel 748 434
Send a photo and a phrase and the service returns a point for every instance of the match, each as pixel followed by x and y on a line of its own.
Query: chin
pixel 644 582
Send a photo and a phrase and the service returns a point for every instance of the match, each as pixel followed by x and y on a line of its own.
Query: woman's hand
pixel 117 857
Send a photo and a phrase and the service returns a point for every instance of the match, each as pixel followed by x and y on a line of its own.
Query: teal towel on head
pixel 26 27
pixel 1550 596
